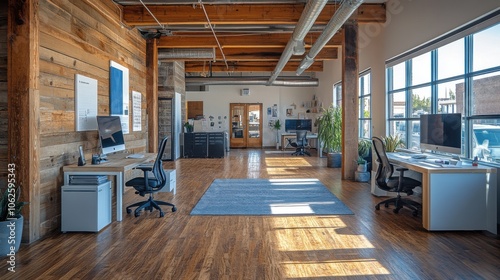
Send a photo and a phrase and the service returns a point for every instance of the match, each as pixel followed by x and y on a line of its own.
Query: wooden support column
pixel 350 101
pixel 24 108
pixel 152 94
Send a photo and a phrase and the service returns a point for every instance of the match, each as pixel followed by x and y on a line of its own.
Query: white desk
pixel 455 198
pixel 116 166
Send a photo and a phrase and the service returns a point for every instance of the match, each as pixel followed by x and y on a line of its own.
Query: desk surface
pixel 116 162
pixel 309 135
pixel 422 166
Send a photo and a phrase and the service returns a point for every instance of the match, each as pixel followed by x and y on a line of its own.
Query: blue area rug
pixel 255 197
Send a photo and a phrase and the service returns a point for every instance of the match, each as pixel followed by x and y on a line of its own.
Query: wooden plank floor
pixel 368 245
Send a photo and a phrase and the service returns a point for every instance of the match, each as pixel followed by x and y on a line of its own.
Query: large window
pixel 365 115
pixel 462 76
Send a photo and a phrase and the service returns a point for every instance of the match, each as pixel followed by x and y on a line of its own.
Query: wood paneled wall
pixel 79 37
pixel 3 97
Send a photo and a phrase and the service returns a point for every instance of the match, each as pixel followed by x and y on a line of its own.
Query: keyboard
pixel 418 156
pixel 135 156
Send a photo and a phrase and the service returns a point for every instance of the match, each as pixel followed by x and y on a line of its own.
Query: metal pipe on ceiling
pixel 282 81
pixel 186 54
pixel 306 21
pixel 345 10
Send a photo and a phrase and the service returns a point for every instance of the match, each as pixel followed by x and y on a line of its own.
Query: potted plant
pixel 11 221
pixel 189 127
pixel 330 134
pixel 277 126
pixel 393 142
pixel 362 164
pixel 365 151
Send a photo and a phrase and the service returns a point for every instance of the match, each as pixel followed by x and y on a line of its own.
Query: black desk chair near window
pixel 399 184
pixel 150 184
pixel 300 143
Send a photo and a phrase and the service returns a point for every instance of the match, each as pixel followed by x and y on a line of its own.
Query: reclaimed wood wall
pixel 80 37
pixel 3 97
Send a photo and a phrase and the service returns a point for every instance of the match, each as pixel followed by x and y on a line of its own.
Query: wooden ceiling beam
pixel 246 66
pixel 242 14
pixel 277 40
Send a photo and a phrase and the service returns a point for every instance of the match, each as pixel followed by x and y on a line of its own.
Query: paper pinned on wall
pixel 136 113
pixel 85 103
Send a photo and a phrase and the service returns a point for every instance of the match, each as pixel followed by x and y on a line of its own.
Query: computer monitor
pixel 441 132
pixel 110 134
pixel 292 125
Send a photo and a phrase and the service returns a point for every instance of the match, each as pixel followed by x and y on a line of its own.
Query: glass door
pixel 238 125
pixel 254 125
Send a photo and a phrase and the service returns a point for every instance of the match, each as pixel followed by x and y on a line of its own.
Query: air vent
pixel 245 92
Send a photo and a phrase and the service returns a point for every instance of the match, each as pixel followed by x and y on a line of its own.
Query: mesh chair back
pixel 301 138
pixel 158 170
pixel 385 168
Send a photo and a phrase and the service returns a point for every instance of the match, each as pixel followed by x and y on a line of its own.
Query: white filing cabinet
pixel 85 207
pixel 171 181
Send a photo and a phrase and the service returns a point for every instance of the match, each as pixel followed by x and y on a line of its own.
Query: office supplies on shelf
pixel 87 179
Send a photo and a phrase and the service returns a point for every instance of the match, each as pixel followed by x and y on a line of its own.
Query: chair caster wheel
pixel 415 213
pixel 386 205
pixel 174 209
pixel 396 210
pixel 377 207
pixel 136 214
pixel 162 214
pixel 129 211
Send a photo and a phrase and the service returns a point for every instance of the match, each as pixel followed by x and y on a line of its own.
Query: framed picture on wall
pixel 289 112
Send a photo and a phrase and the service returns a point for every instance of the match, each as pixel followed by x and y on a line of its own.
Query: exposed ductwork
pixel 186 54
pixel 306 21
pixel 282 81
pixel 345 10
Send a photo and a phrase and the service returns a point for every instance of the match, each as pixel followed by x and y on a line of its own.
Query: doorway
pixel 246 125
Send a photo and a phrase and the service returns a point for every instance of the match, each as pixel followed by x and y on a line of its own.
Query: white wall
pixel 216 103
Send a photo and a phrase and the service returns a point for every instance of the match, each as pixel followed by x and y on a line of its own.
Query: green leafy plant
pixel 330 129
pixel 360 160
pixel 189 127
pixel 364 147
pixel 10 206
pixel 277 126
pixel 393 142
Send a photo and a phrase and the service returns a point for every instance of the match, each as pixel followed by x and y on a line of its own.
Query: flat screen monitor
pixel 110 134
pixel 441 132
pixel 292 125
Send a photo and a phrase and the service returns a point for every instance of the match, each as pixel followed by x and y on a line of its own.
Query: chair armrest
pixel 145 167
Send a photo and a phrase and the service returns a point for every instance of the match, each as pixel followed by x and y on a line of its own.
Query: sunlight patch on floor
pixel 334 268
pixel 322 246
pixel 298 162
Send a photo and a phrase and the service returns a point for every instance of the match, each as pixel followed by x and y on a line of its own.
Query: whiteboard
pixel 85 103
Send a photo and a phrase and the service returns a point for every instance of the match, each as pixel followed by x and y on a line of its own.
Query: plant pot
pixel 10 236
pixel 334 160
pixel 361 176
pixel 362 167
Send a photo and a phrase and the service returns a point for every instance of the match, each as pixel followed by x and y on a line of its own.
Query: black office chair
pixel 300 143
pixel 150 184
pixel 399 184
